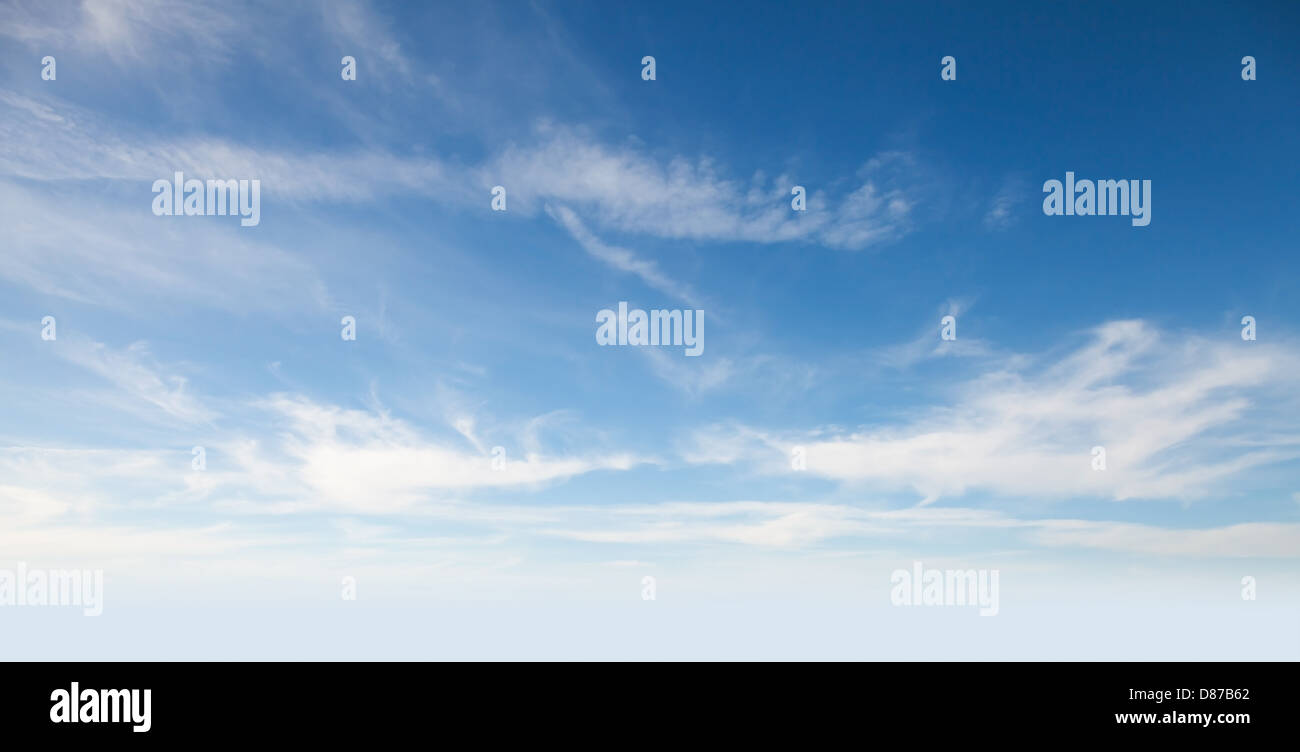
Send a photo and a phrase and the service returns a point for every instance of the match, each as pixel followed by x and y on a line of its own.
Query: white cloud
pixel 55 140
pixel 621 258
pixel 367 36
pixel 803 525
pixel 1169 415
pixel 619 188
pixel 625 189
pixel 133 371
pixel 1254 539
pixel 1000 212
pixel 376 463
pixel 126 30
pixel 928 343
pixel 693 376
pixel 84 250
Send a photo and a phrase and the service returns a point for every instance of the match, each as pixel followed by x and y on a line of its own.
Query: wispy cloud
pixel 620 188
pixel 626 189
pixel 81 248
pixel 1001 210
pixel 377 463
pixel 805 525
pixel 1169 416
pixel 133 371
pixel 929 343
pixel 58 141
pixel 621 258
pixel 124 30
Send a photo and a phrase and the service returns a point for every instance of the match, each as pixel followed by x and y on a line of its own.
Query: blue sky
pixel 476 328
